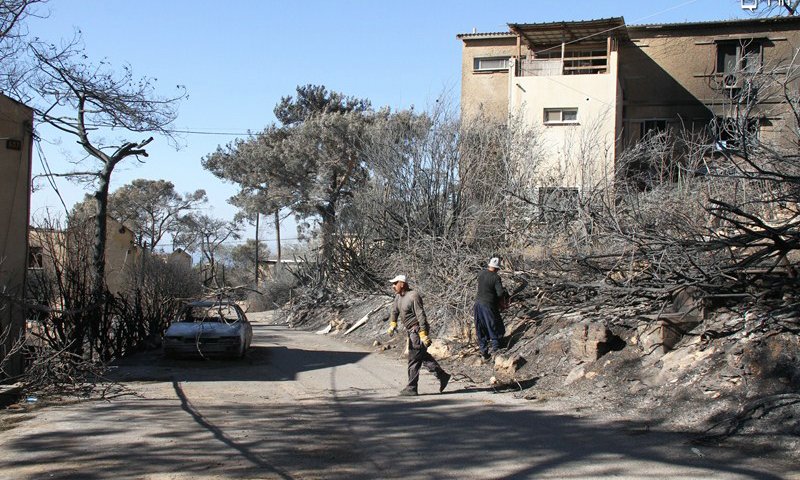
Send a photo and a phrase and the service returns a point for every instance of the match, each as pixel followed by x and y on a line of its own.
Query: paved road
pixel 304 406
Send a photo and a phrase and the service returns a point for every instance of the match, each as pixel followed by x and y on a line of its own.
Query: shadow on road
pixel 340 433
pixel 220 435
pixel 258 365
pixel 355 437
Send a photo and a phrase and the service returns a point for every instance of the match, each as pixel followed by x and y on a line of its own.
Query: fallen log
pixel 361 321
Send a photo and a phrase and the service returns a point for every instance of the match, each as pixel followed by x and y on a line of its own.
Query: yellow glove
pixel 392 328
pixel 423 337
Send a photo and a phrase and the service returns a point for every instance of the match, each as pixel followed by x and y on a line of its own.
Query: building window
pixel 554 116
pixel 736 57
pixel 735 134
pixel 35 258
pixel 653 127
pixel 488 64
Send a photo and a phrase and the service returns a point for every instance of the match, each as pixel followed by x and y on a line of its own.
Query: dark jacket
pixel 490 289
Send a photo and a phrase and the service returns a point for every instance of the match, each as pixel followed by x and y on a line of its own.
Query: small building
pixel 16 135
pixel 180 258
pixel 49 250
pixel 121 255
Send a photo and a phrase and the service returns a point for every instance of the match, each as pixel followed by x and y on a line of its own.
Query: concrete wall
pixel 670 73
pixel 485 92
pixel 180 259
pixel 121 254
pixel 574 155
pixel 16 123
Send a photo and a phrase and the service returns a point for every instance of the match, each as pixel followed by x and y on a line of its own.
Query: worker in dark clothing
pixel 408 308
pixel 489 326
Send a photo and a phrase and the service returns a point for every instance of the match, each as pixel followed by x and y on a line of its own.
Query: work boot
pixel 408 392
pixel 443 380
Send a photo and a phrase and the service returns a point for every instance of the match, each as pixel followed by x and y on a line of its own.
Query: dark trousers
pixel 418 356
pixel 489 328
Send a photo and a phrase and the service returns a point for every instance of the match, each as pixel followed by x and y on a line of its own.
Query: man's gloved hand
pixel 423 337
pixel 392 328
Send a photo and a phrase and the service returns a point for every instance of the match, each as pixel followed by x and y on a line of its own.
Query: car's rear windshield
pixel 213 313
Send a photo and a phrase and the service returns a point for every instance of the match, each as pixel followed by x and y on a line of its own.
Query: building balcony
pixel 580 63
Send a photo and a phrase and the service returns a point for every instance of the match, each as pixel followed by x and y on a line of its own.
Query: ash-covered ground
pixel 732 376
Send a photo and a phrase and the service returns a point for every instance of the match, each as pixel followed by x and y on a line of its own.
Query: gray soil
pixel 732 381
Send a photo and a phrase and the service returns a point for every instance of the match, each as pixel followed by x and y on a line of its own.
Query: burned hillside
pixel 723 369
pixel 676 302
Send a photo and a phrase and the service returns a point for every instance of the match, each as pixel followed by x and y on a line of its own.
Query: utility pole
pixel 278 237
pixel 257 215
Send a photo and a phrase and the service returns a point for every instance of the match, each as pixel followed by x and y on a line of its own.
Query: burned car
pixel 209 328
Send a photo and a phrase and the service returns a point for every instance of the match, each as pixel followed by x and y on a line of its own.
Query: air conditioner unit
pixel 730 80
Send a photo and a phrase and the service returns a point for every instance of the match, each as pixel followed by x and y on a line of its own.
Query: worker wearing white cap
pixel 489 326
pixel 408 308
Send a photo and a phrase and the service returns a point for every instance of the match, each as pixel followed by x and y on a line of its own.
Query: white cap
pixel 399 278
pixel 494 263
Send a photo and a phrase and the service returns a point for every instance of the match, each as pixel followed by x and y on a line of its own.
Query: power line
pixel 187 130
pixel 675 7
pixel 50 178
pixel 265 240
pixel 201 132
pixel 689 2
pixel 191 131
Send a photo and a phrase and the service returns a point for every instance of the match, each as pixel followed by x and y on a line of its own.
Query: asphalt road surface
pixel 306 406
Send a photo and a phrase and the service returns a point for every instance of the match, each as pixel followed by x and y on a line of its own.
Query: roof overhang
pixel 750 23
pixel 538 34
pixel 17 102
pixel 484 36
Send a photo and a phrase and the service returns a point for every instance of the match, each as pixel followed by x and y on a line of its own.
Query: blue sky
pixel 238 58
